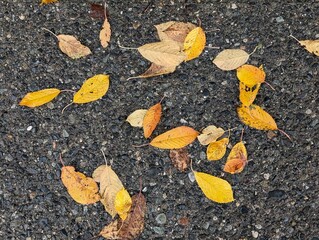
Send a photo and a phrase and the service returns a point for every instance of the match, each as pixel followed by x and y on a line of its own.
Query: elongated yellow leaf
pixel 216 150
pixel 92 89
pixel 255 117
pixel 122 203
pixel 230 59
pixel 247 94
pixel 38 98
pixel 311 45
pixel 237 159
pixel 166 53
pixel 210 134
pixel 136 118
pixel 110 185
pixel 251 75
pixel 214 188
pixel 175 138
pixel 194 43
pixel 72 47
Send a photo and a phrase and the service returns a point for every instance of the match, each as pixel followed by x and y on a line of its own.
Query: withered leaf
pixel 180 158
pixel 97 11
pixel 105 33
pixel 155 70
pixel 72 47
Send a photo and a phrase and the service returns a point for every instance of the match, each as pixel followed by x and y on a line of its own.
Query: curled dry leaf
pixel 82 189
pixel 166 53
pixel 72 47
pixel 311 46
pixel 151 119
pixel 237 159
pixel 180 158
pixel 230 59
pixel 47 1
pixel 255 117
pixel 248 94
pixel 216 150
pixel 38 98
pixel 251 75
pixel 214 188
pixel 110 185
pixel 92 89
pixel 132 226
pixel 175 138
pixel 155 70
pixel 105 33
pixel 194 43
pixel 176 31
pixel 136 118
pixel 122 203
pixel 210 134
pixel 97 11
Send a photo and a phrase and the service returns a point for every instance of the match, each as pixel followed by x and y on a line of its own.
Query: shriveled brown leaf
pixel 156 70
pixel 180 158
pixel 97 11
pixel 72 47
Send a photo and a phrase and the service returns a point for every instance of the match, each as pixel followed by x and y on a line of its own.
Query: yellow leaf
pixel 251 75
pixel 47 1
pixel 72 47
pixel 176 31
pixel 38 98
pixel 237 159
pixel 110 185
pixel 247 94
pixel 230 59
pixel 105 33
pixel 136 118
pixel 311 45
pixel 175 138
pixel 151 119
pixel 194 43
pixel 216 150
pixel 210 134
pixel 166 53
pixel 255 117
pixel 214 188
pixel 82 189
pixel 122 203
pixel 92 89
pixel 155 70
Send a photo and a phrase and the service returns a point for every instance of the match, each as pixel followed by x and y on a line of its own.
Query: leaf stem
pixel 128 48
pixel 294 38
pixel 284 133
pixel 66 107
pixel 50 32
pixel 253 50
pixel 68 90
pixel 242 135
pixel 133 77
pixel 143 145
pixel 269 85
pixel 212 47
pixel 104 157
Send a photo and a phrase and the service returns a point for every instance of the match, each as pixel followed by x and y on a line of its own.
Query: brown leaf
pixel 155 70
pixel 97 11
pixel 105 33
pixel 180 158
pixel 133 225
pixel 72 47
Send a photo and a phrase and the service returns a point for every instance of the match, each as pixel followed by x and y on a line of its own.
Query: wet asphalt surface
pixel 277 193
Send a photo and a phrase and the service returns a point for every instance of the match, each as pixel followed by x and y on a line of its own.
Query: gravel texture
pixel 276 195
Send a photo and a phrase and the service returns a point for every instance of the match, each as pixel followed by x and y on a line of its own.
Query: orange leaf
pixel 175 138
pixel 151 119
pixel 251 75
pixel 194 43
pixel 237 159
pixel 38 98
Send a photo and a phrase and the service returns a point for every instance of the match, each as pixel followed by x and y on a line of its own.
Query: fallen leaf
pixel 183 221
pixel 97 11
pixel 166 53
pixel 230 59
pixel 72 47
pixel 47 1
pixel 237 159
pixel 175 138
pixel 176 31
pixel 38 98
pixel 136 118
pixel 251 75
pixel 180 158
pixel 92 89
pixel 105 33
pixel 312 46
pixel 214 188
pixel 82 189
pixel 133 225
pixel 155 70
pixel 110 185
pixel 216 150
pixel 151 119
pixel 122 203
pixel 255 117
pixel 194 43
pixel 210 134
pixel 247 94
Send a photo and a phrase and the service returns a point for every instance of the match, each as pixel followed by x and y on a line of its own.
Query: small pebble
pixel 202 155
pixel 255 234
pixel 161 218
pixel 50 105
pixel 206 225
pixel 279 19
pixel 191 176
pixel 233 6
pixel 65 134
pixel 266 176
pixel 158 230
pixel 29 128
pixel 22 17
pixel 258 226
pixel 308 111
pixel 224 83
pixel 71 119
pixel 183 121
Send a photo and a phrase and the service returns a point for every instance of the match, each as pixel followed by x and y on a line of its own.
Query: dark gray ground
pixel 276 195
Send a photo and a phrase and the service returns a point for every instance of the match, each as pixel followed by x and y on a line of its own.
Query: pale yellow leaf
pixel 210 134
pixel 122 203
pixel 72 47
pixel 38 98
pixel 230 59
pixel 214 188
pixel 311 45
pixel 92 89
pixel 194 43
pixel 136 118
pixel 216 150
pixel 105 33
pixel 166 53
